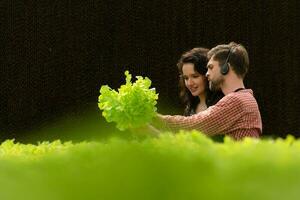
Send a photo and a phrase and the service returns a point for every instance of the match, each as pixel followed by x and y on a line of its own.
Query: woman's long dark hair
pixel 198 57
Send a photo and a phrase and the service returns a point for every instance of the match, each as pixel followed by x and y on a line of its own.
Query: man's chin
pixel 213 87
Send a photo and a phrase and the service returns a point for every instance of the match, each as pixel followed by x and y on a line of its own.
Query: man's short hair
pixel 238 60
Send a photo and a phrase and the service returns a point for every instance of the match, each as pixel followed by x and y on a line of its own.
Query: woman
pixel 193 84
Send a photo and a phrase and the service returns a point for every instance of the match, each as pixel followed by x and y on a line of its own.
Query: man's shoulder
pixel 238 97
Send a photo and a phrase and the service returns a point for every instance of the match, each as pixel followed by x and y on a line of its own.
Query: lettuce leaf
pixel 133 106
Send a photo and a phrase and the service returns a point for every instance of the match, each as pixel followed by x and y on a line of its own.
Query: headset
pixel 225 66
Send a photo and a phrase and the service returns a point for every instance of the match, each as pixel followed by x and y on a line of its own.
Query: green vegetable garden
pixel 185 165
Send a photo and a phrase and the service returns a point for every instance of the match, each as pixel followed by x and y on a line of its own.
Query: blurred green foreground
pixel 184 166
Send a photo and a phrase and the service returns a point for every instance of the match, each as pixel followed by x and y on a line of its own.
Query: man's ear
pixel 229 67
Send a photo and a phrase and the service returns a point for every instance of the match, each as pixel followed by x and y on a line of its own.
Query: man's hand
pixel 147 130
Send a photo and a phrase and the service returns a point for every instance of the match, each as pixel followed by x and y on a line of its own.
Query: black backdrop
pixel 55 54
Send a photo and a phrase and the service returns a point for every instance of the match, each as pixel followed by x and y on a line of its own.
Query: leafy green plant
pixel 186 165
pixel 133 106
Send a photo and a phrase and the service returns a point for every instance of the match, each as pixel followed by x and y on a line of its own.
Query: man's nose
pixel 207 74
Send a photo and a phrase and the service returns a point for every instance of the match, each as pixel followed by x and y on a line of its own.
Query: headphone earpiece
pixel 225 67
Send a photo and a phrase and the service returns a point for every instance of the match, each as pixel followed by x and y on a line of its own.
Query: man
pixel 236 114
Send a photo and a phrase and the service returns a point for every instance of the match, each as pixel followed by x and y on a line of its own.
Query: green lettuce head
pixel 133 106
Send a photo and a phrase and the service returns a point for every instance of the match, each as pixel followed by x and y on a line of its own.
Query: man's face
pixel 214 75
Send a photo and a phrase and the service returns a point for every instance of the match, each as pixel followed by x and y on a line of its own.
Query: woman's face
pixel 194 81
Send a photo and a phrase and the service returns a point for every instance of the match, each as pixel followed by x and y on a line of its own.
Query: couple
pixel 212 88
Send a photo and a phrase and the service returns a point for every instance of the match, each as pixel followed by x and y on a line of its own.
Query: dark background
pixel 55 54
